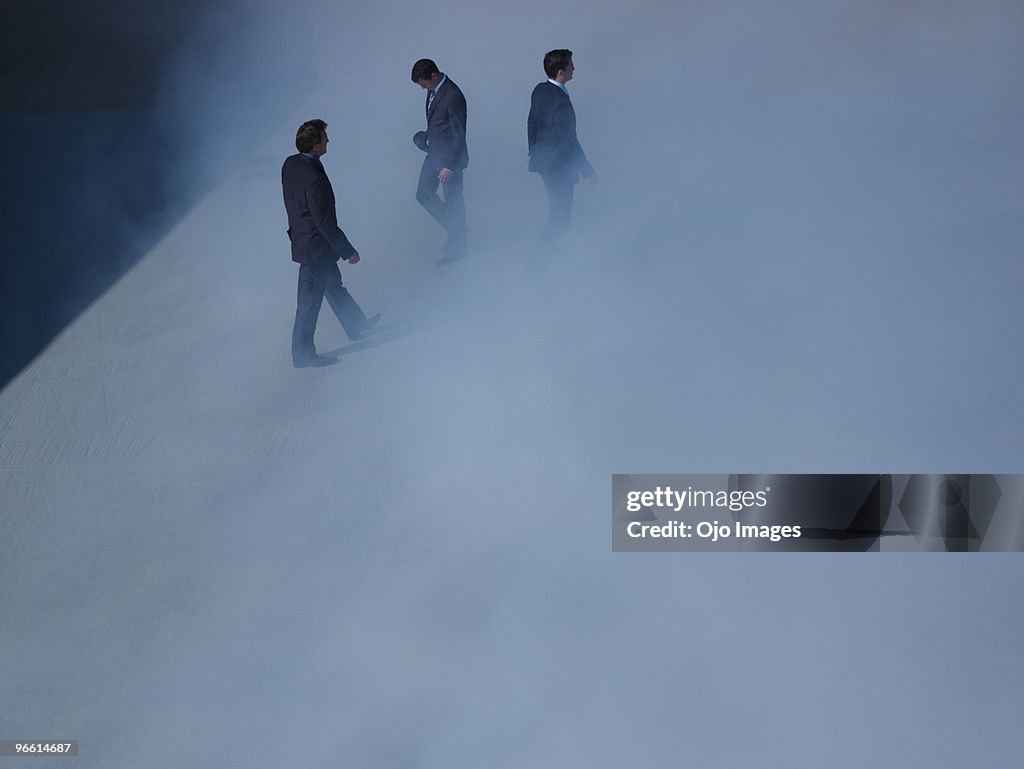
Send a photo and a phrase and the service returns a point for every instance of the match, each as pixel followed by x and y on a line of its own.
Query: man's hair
pixel 556 60
pixel 309 134
pixel 424 69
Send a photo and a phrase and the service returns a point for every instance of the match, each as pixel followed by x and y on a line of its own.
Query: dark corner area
pixel 92 174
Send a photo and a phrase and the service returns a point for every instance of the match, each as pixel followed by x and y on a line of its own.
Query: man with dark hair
pixel 447 156
pixel 317 245
pixel 555 151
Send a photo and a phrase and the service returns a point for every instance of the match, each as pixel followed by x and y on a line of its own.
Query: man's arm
pixel 531 127
pixel 564 125
pixel 584 165
pixel 565 130
pixel 456 134
pixel 325 218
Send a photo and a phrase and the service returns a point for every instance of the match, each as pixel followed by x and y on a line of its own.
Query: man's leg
pixel 310 297
pixel 559 188
pixel 455 214
pixel 350 315
pixel 426 191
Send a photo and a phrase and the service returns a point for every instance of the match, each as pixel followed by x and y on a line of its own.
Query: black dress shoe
pixel 451 257
pixel 456 244
pixel 313 361
pixel 367 325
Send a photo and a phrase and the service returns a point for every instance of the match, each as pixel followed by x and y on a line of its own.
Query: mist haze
pixel 802 255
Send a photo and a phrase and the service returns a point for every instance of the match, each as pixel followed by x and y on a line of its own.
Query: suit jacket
pixel 312 219
pixel 446 127
pixel 551 134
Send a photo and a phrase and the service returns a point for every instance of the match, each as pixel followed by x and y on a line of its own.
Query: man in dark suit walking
pixel 555 151
pixel 317 245
pixel 447 156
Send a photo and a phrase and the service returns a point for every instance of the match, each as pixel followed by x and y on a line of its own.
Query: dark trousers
pixel 316 282
pixel 450 213
pixel 560 190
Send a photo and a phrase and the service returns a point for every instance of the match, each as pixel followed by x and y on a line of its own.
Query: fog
pixel 802 255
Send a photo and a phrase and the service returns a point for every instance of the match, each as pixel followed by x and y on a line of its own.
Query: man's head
pixel 425 74
pixel 312 137
pixel 558 65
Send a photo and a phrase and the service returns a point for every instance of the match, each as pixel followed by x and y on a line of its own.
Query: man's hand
pixel 354 259
pixel 445 176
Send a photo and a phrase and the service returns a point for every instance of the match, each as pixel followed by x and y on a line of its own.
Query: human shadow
pixel 383 334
